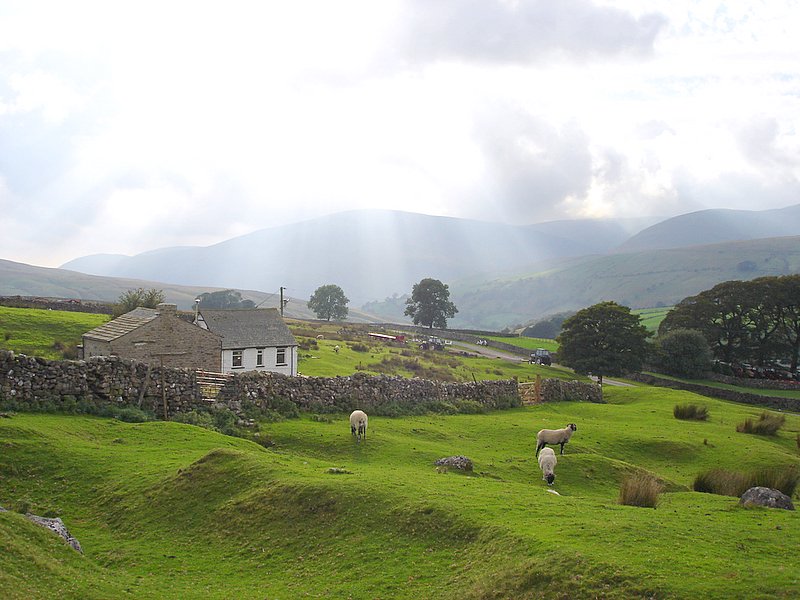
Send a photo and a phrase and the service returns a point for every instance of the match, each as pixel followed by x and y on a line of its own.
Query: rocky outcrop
pixel 57 526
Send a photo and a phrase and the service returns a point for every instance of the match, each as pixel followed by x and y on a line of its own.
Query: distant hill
pixel 715 226
pixel 18 279
pixel 370 254
pixel 637 279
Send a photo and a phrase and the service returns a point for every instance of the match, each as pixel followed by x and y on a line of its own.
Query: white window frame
pixel 237 356
pixel 280 356
pixel 259 357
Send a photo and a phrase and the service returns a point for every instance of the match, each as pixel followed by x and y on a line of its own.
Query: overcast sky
pixel 126 127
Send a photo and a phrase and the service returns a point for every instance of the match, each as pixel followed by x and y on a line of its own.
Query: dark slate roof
pixel 249 328
pixel 121 325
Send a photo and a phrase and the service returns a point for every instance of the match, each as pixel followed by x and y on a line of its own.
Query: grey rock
pixel 456 462
pixel 764 496
pixel 57 526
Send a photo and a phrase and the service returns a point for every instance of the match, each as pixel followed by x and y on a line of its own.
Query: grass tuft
pixel 767 424
pixel 640 489
pixel 734 483
pixel 690 412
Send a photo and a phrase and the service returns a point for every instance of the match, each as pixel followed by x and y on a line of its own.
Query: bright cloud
pixel 124 128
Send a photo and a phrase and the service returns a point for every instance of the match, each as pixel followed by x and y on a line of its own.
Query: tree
pixel 604 339
pixel 430 304
pixel 224 299
pixel 329 302
pixel 132 299
pixel 684 352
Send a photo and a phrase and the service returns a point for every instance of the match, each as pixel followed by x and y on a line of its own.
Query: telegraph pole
pixel 283 302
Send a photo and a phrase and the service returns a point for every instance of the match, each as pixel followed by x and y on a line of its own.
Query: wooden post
pixel 163 390
pixel 538 388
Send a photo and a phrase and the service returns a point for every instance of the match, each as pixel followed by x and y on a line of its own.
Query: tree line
pixel 754 321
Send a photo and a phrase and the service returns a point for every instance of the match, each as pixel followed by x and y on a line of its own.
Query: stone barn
pixel 157 336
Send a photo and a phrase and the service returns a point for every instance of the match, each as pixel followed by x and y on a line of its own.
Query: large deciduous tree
pixel 604 339
pixel 224 299
pixel 132 299
pixel 684 352
pixel 430 304
pixel 329 302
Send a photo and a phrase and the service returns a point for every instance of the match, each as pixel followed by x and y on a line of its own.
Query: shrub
pixel 734 483
pixel 359 347
pixel 690 411
pixel 640 489
pixel 767 424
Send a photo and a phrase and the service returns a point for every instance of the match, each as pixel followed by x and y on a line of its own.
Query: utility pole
pixel 283 302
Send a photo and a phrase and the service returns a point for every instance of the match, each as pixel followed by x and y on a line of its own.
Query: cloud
pixel 498 31
pixel 532 166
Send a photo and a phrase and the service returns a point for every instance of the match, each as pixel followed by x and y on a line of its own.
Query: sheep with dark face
pixel 554 436
pixel 358 424
pixel 547 463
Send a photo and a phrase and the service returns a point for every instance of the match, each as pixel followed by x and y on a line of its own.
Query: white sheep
pixel 547 463
pixel 358 424
pixel 554 436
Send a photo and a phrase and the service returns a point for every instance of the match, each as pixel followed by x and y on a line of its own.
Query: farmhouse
pixel 254 339
pixel 155 335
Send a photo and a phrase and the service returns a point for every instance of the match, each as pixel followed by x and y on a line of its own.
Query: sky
pixel 131 126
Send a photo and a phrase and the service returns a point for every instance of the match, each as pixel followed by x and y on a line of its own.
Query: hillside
pixel 636 279
pixel 171 510
pixel 17 279
pixel 371 254
pixel 715 226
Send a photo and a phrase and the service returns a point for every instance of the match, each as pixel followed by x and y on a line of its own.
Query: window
pixel 260 357
pixel 280 358
pixel 236 359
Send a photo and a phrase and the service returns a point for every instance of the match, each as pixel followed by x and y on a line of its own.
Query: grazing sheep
pixel 358 424
pixel 547 463
pixel 554 436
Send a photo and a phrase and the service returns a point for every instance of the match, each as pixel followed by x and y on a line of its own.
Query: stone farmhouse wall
pixel 167 340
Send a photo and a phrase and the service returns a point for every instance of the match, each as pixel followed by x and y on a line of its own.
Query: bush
pixel 640 489
pixel 359 347
pixel 733 483
pixel 690 411
pixel 767 424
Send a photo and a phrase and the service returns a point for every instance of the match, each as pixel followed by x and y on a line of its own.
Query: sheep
pixel 554 436
pixel 547 463
pixel 358 424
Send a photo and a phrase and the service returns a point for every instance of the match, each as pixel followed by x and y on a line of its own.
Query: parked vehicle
pixel 432 343
pixel 540 356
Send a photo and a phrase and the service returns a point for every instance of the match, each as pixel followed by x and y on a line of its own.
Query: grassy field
pixel 652 317
pixel 169 510
pixel 358 352
pixel 45 333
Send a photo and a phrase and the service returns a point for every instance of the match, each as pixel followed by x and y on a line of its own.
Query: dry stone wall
pixel 380 394
pixel 31 383
pixel 34 383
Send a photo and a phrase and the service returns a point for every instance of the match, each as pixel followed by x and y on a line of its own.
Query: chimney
pixel 167 309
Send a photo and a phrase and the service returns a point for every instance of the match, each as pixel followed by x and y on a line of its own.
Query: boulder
pixel 764 496
pixel 461 463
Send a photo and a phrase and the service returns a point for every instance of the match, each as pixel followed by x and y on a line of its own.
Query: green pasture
pixel 45 333
pixel 652 317
pixel 528 343
pixel 165 510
